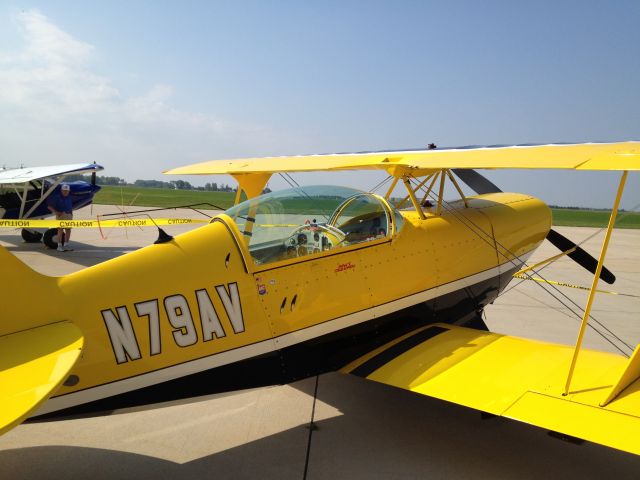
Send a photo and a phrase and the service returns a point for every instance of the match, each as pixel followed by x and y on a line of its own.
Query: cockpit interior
pixel 312 219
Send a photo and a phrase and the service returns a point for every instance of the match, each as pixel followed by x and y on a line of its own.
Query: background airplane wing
pixel 33 363
pixel 584 156
pixel 516 378
pixel 20 175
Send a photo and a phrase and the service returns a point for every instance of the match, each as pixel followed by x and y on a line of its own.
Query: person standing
pixel 60 205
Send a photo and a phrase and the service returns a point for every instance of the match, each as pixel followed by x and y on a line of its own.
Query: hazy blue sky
pixel 142 86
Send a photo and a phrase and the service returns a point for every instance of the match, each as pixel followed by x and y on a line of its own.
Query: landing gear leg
pixel 477 322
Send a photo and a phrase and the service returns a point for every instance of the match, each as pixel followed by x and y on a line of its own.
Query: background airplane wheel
pixel 50 238
pixel 31 236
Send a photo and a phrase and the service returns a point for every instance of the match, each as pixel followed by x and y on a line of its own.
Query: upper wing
pixel 20 175
pixel 516 378
pixel 33 363
pixel 585 156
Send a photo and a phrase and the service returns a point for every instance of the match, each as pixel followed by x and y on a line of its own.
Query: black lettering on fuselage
pixel 231 301
pixel 208 317
pixel 180 319
pixel 123 339
pixel 150 309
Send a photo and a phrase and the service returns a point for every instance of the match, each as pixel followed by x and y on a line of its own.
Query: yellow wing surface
pixel 33 363
pixel 516 378
pixel 585 156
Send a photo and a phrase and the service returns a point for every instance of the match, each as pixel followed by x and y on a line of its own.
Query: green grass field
pixel 165 197
pixel 593 218
pixel 161 197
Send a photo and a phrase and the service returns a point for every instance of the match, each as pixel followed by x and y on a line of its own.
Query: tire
pixel 31 236
pixel 50 238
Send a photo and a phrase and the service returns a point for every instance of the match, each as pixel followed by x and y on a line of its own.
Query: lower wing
pixel 516 378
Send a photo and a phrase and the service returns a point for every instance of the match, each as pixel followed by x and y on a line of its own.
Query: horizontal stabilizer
pixel 513 377
pixel 33 363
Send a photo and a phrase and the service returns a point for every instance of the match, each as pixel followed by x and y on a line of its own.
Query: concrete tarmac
pixel 362 429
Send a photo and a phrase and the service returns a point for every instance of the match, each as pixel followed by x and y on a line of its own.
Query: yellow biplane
pixel 312 279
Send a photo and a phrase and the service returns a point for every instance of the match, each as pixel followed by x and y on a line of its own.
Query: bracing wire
pixel 293 184
pixel 380 184
pixel 553 287
pixel 597 232
pixel 286 179
pixel 490 241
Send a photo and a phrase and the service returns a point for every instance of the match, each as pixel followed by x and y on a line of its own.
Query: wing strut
pixel 594 284
pixel 429 188
pixel 630 374
pixel 414 200
pixel 410 188
pixel 433 176
pixel 460 192
pixel 443 179
pixel 390 190
pixel 43 196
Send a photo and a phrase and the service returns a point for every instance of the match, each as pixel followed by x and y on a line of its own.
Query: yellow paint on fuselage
pixel 278 300
pixel 193 262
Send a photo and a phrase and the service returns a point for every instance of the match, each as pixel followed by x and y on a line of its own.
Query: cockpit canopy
pixel 307 220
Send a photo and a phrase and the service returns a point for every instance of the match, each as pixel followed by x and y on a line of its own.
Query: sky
pixel 143 86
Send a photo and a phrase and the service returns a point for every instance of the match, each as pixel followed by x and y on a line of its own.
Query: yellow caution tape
pixel 278 225
pixel 119 223
pixel 562 284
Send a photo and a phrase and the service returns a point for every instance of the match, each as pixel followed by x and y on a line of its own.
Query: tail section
pixel 28 299
pixel 38 346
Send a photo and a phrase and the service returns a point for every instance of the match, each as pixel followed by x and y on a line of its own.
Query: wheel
pixel 50 238
pixel 31 236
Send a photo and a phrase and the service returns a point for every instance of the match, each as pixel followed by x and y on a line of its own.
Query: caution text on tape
pixel 119 223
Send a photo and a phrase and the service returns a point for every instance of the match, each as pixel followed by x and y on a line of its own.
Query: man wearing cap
pixel 60 205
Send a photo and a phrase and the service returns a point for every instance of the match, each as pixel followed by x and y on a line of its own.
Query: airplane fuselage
pixel 201 303
pixel 82 194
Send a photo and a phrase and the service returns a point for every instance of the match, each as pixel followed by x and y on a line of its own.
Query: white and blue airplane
pixel 24 193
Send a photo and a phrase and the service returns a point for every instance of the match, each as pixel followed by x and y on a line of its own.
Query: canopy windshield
pixel 307 220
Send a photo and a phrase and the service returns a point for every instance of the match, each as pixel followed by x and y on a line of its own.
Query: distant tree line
pixel 173 184
pixel 100 179
pixel 182 185
pixel 585 208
